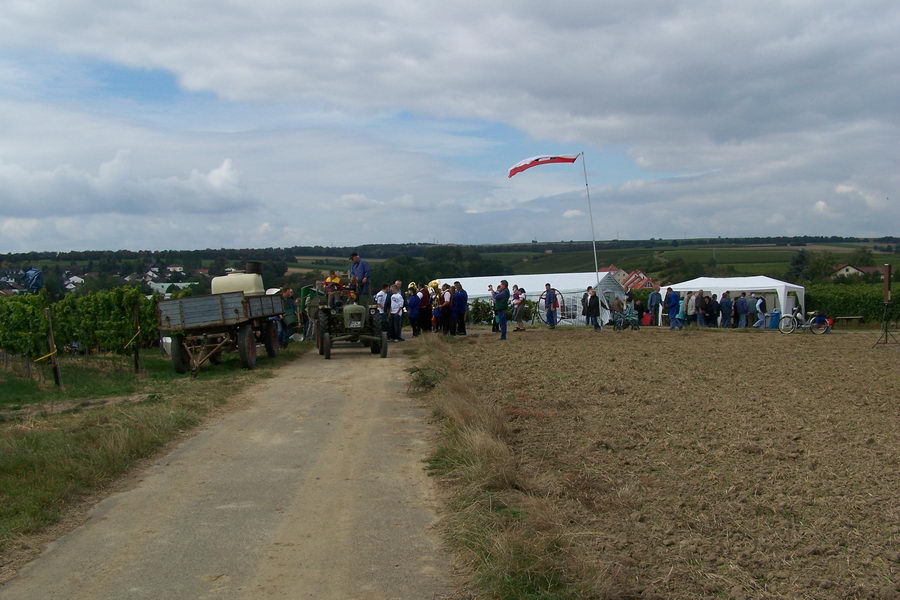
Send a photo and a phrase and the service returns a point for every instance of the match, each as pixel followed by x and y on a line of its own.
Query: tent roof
pixel 756 283
pixel 534 284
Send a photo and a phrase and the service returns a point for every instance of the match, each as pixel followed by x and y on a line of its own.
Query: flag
pixel 541 160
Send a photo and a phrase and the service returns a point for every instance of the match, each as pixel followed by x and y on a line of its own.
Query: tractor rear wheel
pixel 326 345
pixel 180 358
pixel 246 343
pixel 270 338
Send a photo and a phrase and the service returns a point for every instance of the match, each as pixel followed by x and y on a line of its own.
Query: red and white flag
pixel 545 159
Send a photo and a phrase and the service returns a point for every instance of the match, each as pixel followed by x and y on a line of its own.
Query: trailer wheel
pixel 384 344
pixel 270 338
pixel 246 343
pixel 180 359
pixel 326 345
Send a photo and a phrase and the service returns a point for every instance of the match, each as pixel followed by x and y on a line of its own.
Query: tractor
pixel 343 315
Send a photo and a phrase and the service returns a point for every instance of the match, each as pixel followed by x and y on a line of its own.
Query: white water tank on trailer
pixel 249 283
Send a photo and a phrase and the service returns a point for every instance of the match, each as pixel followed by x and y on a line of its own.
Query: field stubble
pixel 704 464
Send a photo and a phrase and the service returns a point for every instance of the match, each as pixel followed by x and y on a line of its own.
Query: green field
pixel 773 261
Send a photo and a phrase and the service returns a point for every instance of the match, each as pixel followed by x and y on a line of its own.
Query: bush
pixel 863 300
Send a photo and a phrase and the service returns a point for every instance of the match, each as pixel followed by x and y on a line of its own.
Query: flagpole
pixel 591 213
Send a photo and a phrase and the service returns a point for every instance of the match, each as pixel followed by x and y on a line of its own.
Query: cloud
pixel 116 187
pixel 698 118
pixel 572 213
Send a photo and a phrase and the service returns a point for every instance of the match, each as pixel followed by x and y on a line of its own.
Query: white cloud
pixel 572 213
pixel 349 105
pixel 116 187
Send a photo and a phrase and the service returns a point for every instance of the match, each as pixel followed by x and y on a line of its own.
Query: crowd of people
pixel 431 307
pixel 702 310
pixel 443 308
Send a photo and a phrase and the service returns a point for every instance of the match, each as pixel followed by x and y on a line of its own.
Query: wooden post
pixel 54 360
pixel 136 319
pixel 886 275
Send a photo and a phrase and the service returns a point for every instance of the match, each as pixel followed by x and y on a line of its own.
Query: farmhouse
pixel 848 270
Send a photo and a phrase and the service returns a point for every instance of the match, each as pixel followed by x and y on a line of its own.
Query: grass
pixel 506 532
pixel 49 461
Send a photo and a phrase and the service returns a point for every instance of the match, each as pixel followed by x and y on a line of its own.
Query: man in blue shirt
pixel 740 307
pixel 673 301
pixel 361 272
pixel 653 304
pixel 501 304
pixel 551 303
pixel 460 306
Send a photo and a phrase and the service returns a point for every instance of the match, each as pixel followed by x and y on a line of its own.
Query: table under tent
pixel 780 295
pixel 569 286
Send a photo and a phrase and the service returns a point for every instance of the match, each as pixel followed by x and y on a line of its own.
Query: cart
pixel 202 328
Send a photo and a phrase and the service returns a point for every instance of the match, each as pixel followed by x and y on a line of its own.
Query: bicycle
pixel 818 324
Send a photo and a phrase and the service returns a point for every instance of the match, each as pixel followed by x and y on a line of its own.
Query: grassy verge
pixel 499 519
pixel 50 461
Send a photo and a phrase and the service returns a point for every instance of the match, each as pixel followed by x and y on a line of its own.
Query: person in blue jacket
pixel 673 301
pixel 460 307
pixel 412 308
pixel 551 304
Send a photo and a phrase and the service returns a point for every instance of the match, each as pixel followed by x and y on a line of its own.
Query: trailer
pixel 202 328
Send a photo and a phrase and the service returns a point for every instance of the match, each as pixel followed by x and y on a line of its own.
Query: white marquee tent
pixel 570 285
pixel 758 283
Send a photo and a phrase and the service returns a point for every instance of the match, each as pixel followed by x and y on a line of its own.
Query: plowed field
pixel 710 464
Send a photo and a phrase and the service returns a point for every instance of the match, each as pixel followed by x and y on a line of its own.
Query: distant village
pixel 161 280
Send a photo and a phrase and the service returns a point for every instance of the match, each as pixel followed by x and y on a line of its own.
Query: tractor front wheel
pixel 326 345
pixel 384 344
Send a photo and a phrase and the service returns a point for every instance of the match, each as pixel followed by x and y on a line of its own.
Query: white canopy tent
pixel 758 283
pixel 570 285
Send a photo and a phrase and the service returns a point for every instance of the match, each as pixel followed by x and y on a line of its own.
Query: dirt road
pixel 315 490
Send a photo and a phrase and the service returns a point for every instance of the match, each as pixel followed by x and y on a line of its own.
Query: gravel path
pixel 315 490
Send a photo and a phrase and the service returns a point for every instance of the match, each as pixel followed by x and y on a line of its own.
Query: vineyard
pixel 103 322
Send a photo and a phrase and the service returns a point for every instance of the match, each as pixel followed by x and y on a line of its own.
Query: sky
pixel 157 125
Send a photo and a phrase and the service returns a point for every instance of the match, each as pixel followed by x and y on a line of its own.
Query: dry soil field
pixel 710 464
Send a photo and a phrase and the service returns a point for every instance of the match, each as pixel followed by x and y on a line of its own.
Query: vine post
pixel 51 343
pixel 136 321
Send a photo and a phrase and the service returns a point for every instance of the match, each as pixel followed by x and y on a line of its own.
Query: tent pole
pixel 591 213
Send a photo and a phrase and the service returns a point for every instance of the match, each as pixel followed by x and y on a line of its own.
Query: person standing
pixel 460 307
pixel 640 310
pixel 424 309
pixel 413 300
pixel 761 311
pixel 751 309
pixel 653 303
pixel 514 303
pixel 360 272
pixel 690 308
pixel 740 307
pixel 381 298
pixel 447 325
pixel 584 302
pixel 289 319
pixel 699 304
pixel 501 304
pixel 396 314
pixel 551 304
pixel 725 309
pixel 673 305
pixel 495 321
pixel 520 310
pixel 592 309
